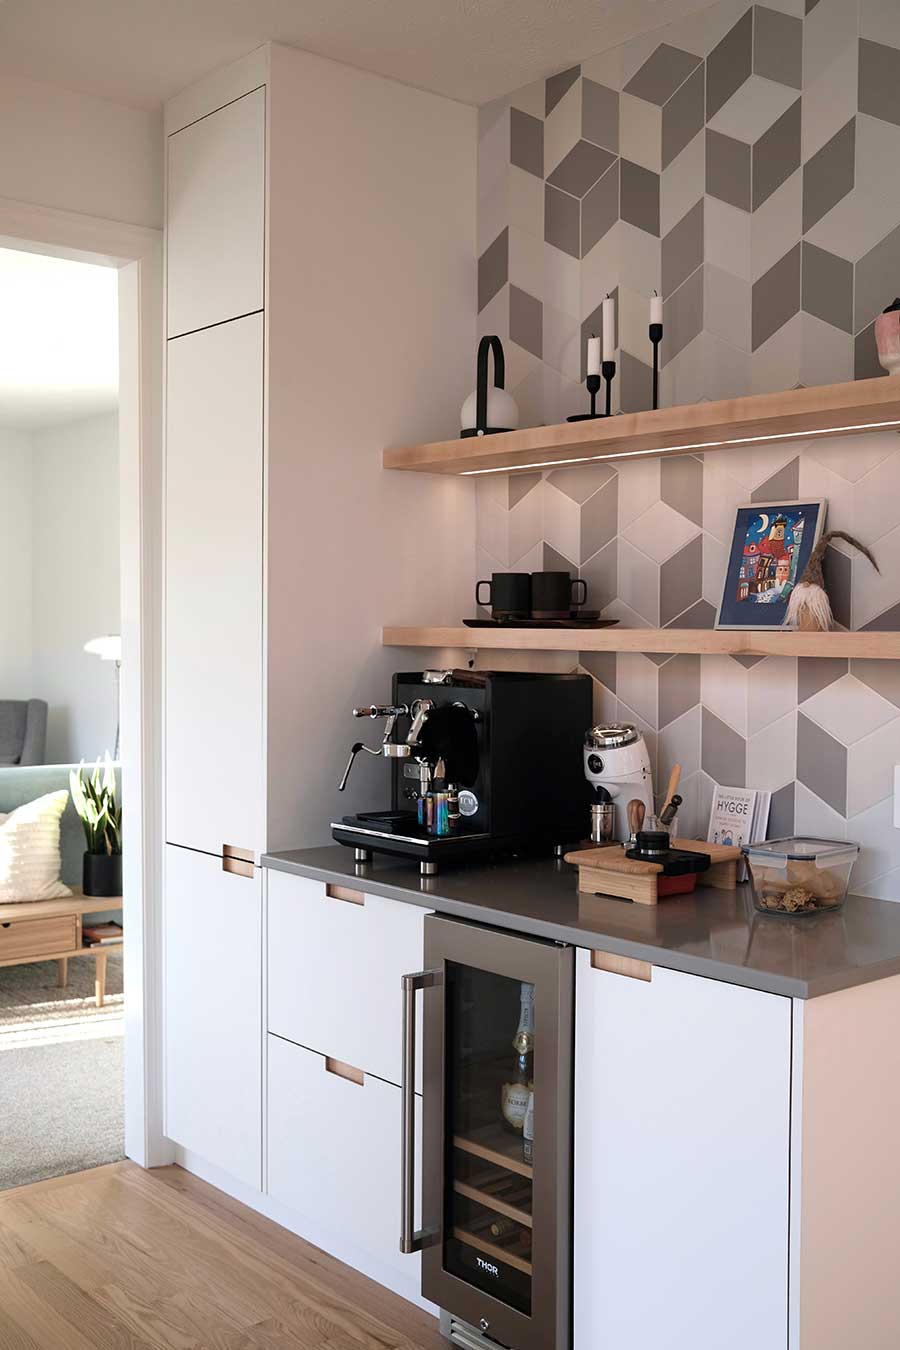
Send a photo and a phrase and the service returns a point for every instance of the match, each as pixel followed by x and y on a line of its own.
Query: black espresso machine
pixel 481 762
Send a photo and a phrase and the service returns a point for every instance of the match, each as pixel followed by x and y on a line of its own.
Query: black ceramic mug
pixel 555 594
pixel 509 595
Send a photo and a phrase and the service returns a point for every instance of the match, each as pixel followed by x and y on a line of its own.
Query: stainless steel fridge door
pixel 496 1226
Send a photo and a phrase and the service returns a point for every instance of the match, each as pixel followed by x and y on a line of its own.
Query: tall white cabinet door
pixel 214 587
pixel 213 1012
pixel 216 216
pixel 682 1126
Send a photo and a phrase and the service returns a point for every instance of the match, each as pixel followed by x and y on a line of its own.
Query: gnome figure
pixel 809 608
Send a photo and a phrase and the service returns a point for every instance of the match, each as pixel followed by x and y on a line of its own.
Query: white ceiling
pixel 143 51
pixel 59 340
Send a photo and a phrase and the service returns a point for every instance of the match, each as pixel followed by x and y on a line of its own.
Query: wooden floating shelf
pixel 828 410
pixel 871 646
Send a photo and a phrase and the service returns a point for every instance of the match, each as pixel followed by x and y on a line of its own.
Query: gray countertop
pixel 713 933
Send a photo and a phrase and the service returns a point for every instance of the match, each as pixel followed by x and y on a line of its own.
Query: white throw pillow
pixel 29 851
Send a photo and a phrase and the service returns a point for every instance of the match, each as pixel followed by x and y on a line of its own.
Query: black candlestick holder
pixel 656 332
pixel 593 388
pixel 608 371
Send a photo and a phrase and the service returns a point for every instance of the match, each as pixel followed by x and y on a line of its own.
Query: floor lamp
pixel 109 649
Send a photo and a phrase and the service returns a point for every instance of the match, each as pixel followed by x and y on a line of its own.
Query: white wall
pixel 385 265
pixel 75 582
pixel 15 565
pixel 79 153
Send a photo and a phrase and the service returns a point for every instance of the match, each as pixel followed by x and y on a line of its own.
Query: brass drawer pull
pixel 235 863
pixel 341 1070
pixel 622 965
pixel 344 893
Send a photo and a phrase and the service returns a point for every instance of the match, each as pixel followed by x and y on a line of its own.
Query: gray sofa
pixel 23 731
pixel 21 785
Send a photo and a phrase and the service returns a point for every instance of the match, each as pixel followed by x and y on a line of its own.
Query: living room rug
pixel 61 1071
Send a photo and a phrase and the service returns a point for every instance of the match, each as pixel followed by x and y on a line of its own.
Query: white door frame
pixel 136 253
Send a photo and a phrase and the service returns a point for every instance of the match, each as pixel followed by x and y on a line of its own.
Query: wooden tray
pixel 607 871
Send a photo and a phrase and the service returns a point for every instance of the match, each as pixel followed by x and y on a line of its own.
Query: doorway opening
pixel 79 661
pixel 61 978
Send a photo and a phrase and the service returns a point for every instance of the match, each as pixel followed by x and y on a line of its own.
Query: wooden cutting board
pixel 607 871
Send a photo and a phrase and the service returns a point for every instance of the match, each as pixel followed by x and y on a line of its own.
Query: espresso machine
pixel 479 762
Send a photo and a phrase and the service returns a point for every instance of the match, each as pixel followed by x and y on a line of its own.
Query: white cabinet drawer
pixel 334 1152
pixel 215 233
pixel 335 968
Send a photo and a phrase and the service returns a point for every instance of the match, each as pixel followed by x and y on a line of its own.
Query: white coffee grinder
pixel 617 765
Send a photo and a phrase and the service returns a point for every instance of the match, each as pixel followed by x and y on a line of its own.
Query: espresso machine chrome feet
pixel 428 869
pixel 362 855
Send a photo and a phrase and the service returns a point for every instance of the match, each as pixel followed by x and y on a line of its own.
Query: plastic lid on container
pixel 799 848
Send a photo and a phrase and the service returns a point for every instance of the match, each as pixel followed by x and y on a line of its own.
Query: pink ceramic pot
pixel 887 338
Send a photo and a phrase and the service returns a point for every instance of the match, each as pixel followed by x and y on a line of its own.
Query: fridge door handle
pixel 411 1239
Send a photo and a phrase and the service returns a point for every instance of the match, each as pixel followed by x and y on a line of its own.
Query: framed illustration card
pixel 770 548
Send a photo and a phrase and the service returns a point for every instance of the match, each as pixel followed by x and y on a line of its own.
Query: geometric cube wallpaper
pixel 650 538
pixel 744 163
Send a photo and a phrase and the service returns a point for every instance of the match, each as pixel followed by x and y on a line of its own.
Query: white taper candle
pixel 593 355
pixel 609 329
pixel 656 308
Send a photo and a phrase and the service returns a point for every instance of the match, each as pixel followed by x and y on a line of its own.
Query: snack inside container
pixel 798 876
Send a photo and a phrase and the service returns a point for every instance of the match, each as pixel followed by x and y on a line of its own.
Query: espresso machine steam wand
pixel 390 748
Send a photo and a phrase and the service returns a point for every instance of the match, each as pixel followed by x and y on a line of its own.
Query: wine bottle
pixel 528 1129
pixel 514 1095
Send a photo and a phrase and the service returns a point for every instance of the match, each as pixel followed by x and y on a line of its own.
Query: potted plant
pixel 94 798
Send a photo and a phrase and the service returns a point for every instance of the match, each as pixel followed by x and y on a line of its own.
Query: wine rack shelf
pixel 492 1143
pixel 494 1202
pixel 493 1250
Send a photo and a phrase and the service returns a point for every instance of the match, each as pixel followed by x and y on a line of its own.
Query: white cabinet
pixel 682 1151
pixel 216 216
pixel 213 1012
pixel 334 1154
pixel 214 599
pixel 336 958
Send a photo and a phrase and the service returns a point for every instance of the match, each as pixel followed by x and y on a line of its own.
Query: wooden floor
pixel 123 1259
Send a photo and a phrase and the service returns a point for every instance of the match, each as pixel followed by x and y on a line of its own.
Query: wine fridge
pixel 497 1128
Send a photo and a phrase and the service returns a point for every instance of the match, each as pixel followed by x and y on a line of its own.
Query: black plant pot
pixel 102 874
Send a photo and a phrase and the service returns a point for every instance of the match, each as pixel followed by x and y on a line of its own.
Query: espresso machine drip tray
pixel 399 833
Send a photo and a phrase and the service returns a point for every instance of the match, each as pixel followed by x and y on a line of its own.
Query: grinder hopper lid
pixel 611 736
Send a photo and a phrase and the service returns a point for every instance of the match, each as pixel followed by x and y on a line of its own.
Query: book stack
pixel 739 816
pixel 101 934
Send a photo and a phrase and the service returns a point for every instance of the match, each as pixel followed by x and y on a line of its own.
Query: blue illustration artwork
pixel 770 548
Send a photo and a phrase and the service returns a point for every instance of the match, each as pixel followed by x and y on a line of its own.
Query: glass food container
pixel 800 876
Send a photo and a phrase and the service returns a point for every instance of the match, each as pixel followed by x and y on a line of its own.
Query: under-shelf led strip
pixel 699 445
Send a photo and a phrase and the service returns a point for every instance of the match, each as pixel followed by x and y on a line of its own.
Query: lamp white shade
pixel 107 648
pixel 502 410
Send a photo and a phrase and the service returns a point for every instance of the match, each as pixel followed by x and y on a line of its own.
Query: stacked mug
pixel 532 595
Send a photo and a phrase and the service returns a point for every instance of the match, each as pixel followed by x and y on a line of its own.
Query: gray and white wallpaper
pixel 744 163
